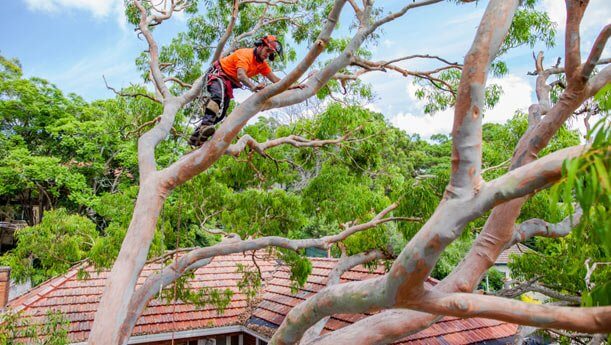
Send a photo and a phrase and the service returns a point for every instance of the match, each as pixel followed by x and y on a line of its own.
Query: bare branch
pixel 590 320
pixel 269 2
pixel 572 60
pixel 223 40
pixel 319 46
pixel 404 283
pixel 597 49
pixel 357 10
pixel 598 81
pixel 129 94
pixel 293 140
pixel 495 167
pixel 532 286
pixel 590 269
pixel 320 78
pixel 179 82
pixel 539 227
pixel 344 264
pixel 370 66
pixel 145 21
pixel 424 56
pixel 139 129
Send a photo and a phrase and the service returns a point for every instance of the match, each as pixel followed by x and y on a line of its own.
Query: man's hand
pixel 298 86
pixel 259 87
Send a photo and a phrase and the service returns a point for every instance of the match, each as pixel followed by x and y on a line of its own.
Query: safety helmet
pixel 271 42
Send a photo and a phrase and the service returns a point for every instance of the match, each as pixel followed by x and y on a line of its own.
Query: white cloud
pixel 425 125
pixel 517 95
pixel 596 16
pixel 99 8
pixel 556 11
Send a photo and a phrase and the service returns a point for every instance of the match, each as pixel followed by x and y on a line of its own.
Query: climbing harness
pixel 204 103
pixel 199 105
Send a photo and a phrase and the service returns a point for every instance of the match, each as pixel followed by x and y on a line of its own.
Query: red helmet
pixel 271 42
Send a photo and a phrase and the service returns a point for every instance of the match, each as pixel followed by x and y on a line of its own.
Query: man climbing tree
pixel 234 71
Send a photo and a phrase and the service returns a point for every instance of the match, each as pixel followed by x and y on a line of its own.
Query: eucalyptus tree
pixel 405 305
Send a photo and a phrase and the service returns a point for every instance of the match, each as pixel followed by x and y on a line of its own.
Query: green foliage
pixel 52 330
pixel 440 96
pixel 250 283
pixel 603 98
pixel 588 177
pixel 263 213
pixel 600 295
pixel 529 27
pixel 495 280
pixel 559 263
pixel 299 265
pixel 51 247
pixel 451 257
pixel 199 297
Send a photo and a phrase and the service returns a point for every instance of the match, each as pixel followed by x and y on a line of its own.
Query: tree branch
pixel 126 94
pixel 597 50
pixel 532 286
pixel 574 13
pixel 293 140
pixel 465 179
pixel 179 82
pixel 201 256
pixel 145 21
pixel 319 46
pixel 404 283
pixel 199 160
pixel 590 320
pixel 321 77
pixel 221 45
pixel 345 264
pixel 539 227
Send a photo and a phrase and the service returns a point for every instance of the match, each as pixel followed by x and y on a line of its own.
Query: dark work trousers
pixel 218 93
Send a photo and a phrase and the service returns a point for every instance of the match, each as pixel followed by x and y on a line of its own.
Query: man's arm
pixel 274 79
pixel 243 78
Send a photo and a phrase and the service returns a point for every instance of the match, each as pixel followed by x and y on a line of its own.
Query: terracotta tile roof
pixel 517 249
pixel 278 300
pixel 78 300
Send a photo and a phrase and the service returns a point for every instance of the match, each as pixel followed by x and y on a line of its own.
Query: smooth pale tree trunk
pixel 126 269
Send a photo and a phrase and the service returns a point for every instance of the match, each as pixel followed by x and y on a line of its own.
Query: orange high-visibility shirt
pixel 244 58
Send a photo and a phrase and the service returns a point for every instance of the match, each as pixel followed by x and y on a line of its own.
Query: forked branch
pixel 293 140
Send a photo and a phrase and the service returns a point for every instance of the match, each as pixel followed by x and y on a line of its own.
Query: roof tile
pixel 78 300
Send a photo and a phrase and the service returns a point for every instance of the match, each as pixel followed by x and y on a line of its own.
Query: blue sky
pixel 72 43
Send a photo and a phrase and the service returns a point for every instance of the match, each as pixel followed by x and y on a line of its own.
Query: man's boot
pixel 206 128
pixel 201 135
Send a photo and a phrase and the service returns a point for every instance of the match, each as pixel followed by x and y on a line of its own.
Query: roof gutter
pixel 205 332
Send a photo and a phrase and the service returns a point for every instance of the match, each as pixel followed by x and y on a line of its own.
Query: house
pixel 504 258
pixel 243 322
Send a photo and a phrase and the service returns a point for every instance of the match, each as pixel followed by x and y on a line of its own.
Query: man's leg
pixel 212 115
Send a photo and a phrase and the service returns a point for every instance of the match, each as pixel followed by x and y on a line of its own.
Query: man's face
pixel 264 52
